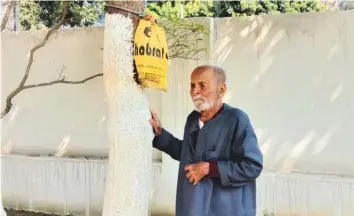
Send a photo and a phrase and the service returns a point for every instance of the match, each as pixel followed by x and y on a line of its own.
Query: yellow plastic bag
pixel 150 54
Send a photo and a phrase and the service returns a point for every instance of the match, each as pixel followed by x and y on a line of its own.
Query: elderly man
pixel 219 155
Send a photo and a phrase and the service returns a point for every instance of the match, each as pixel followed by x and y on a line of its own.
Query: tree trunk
pixel 137 6
pixel 128 182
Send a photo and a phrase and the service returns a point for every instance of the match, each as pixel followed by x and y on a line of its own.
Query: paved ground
pixel 11 212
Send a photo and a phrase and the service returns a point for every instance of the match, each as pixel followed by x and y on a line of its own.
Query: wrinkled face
pixel 205 91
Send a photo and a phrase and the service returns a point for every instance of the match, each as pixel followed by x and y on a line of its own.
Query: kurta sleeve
pixel 169 144
pixel 246 162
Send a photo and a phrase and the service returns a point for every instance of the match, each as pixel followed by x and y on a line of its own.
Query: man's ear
pixel 222 89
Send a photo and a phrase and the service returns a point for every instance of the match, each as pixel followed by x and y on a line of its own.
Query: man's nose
pixel 195 91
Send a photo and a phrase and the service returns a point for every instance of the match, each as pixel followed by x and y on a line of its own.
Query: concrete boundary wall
pixel 56 184
pixel 76 186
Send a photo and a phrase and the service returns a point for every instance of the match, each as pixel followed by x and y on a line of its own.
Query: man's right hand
pixel 155 123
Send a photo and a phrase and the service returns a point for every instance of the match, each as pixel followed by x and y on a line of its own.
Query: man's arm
pixel 169 144
pixel 246 163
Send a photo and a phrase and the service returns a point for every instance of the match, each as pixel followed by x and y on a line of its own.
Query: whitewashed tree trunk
pixel 128 183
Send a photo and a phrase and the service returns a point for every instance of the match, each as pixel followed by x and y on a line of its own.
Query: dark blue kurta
pixel 228 139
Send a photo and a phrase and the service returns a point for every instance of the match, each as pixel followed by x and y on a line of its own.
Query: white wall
pixel 76 186
pixel 63 119
pixel 56 185
pixel 291 74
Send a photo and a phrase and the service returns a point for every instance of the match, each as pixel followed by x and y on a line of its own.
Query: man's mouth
pixel 198 99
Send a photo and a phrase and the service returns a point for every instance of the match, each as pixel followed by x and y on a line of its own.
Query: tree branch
pixel 30 61
pixel 182 39
pixel 7 14
pixel 62 81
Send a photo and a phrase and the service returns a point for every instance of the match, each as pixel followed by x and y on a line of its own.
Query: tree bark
pixel 128 182
pixel 137 6
pixel 7 13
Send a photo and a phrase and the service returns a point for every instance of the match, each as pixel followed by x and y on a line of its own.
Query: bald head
pixel 219 73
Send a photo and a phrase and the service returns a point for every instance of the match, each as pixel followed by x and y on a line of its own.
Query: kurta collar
pixel 196 116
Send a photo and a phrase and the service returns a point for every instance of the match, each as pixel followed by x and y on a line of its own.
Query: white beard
pixel 201 104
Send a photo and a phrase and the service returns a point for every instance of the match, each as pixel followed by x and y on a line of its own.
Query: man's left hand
pixel 195 172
